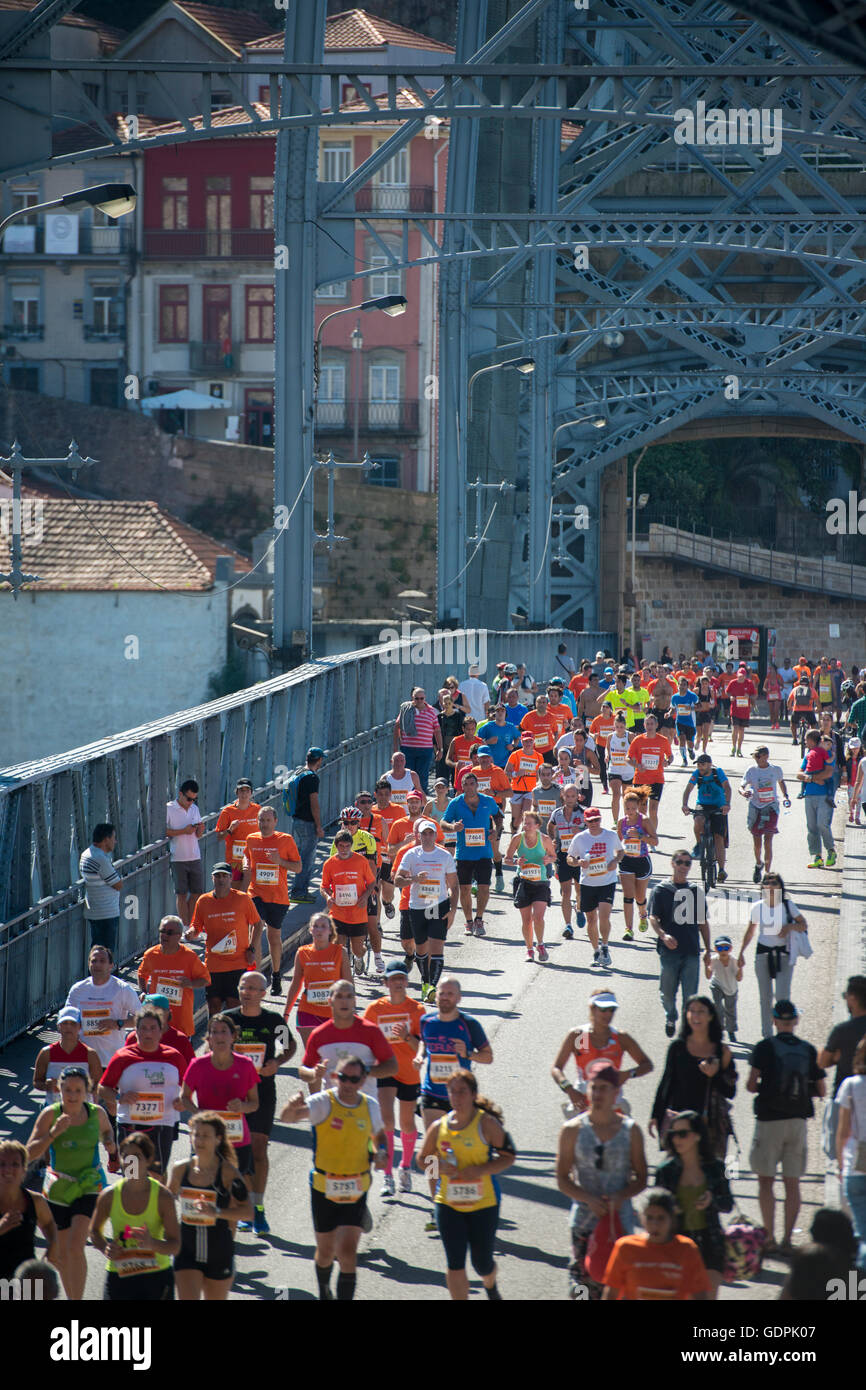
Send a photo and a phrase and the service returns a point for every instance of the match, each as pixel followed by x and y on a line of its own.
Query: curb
pixel 850 948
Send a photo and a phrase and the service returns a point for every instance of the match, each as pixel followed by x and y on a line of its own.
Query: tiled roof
pixel 85 545
pixel 109 37
pixel 225 116
pixel 406 99
pixel 233 28
pixel 356 29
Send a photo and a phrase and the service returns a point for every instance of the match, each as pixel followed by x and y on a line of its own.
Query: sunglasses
pixel 353 1080
pixel 686 862
pixel 364 801
pixel 599 1155
pixel 680 1133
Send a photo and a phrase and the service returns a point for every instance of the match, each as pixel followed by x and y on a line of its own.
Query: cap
pixel 413 794
pixel 592 813
pixel 853 743
pixel 441 782
pixel 69 1015
pixel 556 680
pixel 425 825
pixel 783 1008
pixel 244 782
pixel 608 670
pixel 723 943
pixel 315 752
pixel 221 868
pixel 500 665
pixel 527 733
pixel 605 1000
pixel 482 751
pixel 601 1070
pixel 396 967
pixel 160 1000
pixel 599 656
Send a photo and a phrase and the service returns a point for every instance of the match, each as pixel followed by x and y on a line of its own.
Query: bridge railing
pixel 346 704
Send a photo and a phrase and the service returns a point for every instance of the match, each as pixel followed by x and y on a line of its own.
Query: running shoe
pixel 756 873
pixel 816 863
pixel 479 927
pixel 388 1186
pixel 721 876
pixel 499 886
pixel 568 934
pixel 360 966
pixel 530 956
pixel 367 1220
pixel 581 919
pixel 404 1179
pixel 542 951
pixel 696 852
pixel 734 751
pixel 643 923
pixel 379 963
pixel 684 758
pixel 389 910
pixel 596 959
pixel 670 1028
pixel 739 752
pixel 430 1224
pixel 831 859
pixel 469 928
pixel 245 1225
pixel 276 983
pixel 628 934
pixel 692 755
pixel 260 1222
pixel 427 992
pixel 605 957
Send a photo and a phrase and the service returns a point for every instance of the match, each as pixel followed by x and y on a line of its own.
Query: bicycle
pixel 707 849
pixel 801 725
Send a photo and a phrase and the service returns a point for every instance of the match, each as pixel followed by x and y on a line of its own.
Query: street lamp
pixel 391 304
pixel 524 365
pixel 357 345
pixel 114 199
pixel 599 422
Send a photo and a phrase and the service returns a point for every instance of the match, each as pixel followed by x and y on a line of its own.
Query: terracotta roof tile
pixel 110 37
pixel 356 29
pixel 233 28
pixel 85 545
pixel 225 116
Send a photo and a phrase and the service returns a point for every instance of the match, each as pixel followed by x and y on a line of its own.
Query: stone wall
pixel 693 599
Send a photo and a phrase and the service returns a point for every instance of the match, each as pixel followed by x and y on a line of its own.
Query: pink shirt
pixel 213 1089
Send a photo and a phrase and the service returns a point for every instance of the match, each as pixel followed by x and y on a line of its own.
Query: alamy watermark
pixel 748 125
pixel 420 647
pixel 22 517
pixel 846 516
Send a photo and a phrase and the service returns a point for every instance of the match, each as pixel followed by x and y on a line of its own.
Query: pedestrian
pixel 851 1146
pixel 102 887
pixel 305 810
pixel 724 974
pixel 817 781
pixel 450 727
pixel 699 1075
pixel 777 919
pixel 476 695
pixel 785 1078
pixel 184 829
pixel 696 1178
pixel 417 735
pixel 564 661
pixel 656 1264
pixel 839 1051
pixel 678 916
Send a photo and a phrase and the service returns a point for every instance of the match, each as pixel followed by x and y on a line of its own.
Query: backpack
pixel 791 1087
pixel 290 792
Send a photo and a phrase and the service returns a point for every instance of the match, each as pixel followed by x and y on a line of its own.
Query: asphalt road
pixel 526 1010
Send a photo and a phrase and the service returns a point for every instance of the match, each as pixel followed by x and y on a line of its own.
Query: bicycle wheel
pixel 802 738
pixel 708 861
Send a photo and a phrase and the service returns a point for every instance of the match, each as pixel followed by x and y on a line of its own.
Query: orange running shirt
pixel 157 974
pixel 544 730
pixel 650 752
pixel 268 879
pixel 643 1272
pixel 387 1016
pixel 517 770
pixel 227 924
pixel 320 969
pixel 345 880
pixel 249 820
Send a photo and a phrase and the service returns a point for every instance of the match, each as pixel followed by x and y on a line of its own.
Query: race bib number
pixel 388 1023
pixel 541 740
pixel 255 1051
pixel 399 797
pixel 442 1064
pixel 339 1189
pixel 346 894
pixel 597 865
pixel 172 992
pixel 148 1109
pixel 475 838
pixel 429 889
pixel 131 1262
pixel 632 845
pixel 545 808
pixel 618 757
pixel 91 1019
pixel 238 848
pixel 484 784
pixel 234 1125
pixel 464 1193
pixel 650 761
pixel 526 767
pixel 319 993
pixel 531 872
pixel 450 838
pixel 765 795
pixel 198 1207
pixel 227 946
pixel 267 873
pixel 742 703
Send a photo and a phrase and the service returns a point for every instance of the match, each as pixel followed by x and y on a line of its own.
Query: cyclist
pixel 713 803
pixel 347 882
pixel 801 704
pixel 597 853
pixel 365 844
pixel 566 822
pixel 317 966
pixel 760 788
pixel 650 753
pixel 635 866
pixel 597 1041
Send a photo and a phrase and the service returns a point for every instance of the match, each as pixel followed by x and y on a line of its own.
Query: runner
pixel 268 855
pixel 470 1147
pixel 174 971
pixel 450 1040
pixel 388 811
pixel 317 966
pixel 364 842
pixel 493 781
pixel 713 798
pixel 144 1230
pixel 436 808
pixel 209 1187
pixel 772 688
pixel 597 853
pixel 759 786
pixel 342 1035
pixel 635 867
pixel 143 1080
pixel 232 933
pixel 584 760
pixel 473 818
pixel 170 1036
pixel 637 697
pixel 743 695
pixel 546 795
pixel 650 753
pixel 430 872
pixel 227 1082
pixel 346 1126
pixel 347 882
pixel 235 822
pixel 399 1019
pixel 683 706
pixel 601 729
pixel 463 746
pixel 401 780
pixel 560 712
pixel 70 1131
pixel 522 769
pixel 598 1041
pixel 533 853
pixel 69 1051
pixel 566 822
pixel 543 727
pixel 619 767
pixel 705 709
pixel 266 1040
pixel 21 1212
pixel 662 691
pixel 107 1005
pixel 500 736
pixel 656 1264
pixel 725 679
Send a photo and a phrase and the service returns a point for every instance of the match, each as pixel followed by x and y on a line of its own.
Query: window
pixel 104 386
pixel 336 291
pixel 23 378
pixel 388 472
pixel 331 406
pixel 384 394
pixel 173 313
pixel 261 201
pixel 106 309
pixel 220 99
pixel 25 198
pixel 396 172
pixel 25 308
pixel 175 204
pixel 390 281
pixel 336 163
pixel 218 215
pixel 259 313
pixel 349 91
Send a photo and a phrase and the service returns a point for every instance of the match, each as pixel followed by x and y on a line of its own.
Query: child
pixel 724 973
pixel 856 765
pixel 817 758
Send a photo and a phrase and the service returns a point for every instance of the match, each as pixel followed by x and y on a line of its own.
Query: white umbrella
pixel 183 400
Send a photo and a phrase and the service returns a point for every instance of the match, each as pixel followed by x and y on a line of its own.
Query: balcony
pixel 217 359
pixel 22 332
pixel 393 197
pixel 102 335
pixel 246 243
pixel 25 240
pixel 374 417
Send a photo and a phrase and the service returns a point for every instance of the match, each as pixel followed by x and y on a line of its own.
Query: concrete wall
pixel 71 681
pixel 693 599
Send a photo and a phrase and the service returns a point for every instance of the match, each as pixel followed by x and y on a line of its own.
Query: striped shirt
pixel 426 720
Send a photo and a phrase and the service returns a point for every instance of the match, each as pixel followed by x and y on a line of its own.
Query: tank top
pixel 73 1159
pixel 586 1052
pixel 321 969
pixel 546 800
pixel 341 1154
pixel 58 1059
pixel 400 787
pixel 618 764
pixel 18 1244
pixel 135 1261
pixel 216 1196
pixel 469 1147
pixel 534 871
pixel 433 813
pixel 566 826
pixel 632 838
pixel 601 1181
